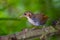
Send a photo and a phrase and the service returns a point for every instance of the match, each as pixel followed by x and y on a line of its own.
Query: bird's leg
pixel 44 26
pixel 35 27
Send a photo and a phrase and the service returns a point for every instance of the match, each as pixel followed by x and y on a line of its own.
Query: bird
pixel 36 19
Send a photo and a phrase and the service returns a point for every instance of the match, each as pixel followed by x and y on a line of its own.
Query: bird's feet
pixel 34 28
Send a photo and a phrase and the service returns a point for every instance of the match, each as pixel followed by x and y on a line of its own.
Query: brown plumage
pixel 36 19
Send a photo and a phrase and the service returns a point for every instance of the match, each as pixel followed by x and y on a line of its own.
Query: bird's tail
pixel 54 22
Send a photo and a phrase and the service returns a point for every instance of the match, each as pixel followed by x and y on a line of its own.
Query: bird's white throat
pixel 32 21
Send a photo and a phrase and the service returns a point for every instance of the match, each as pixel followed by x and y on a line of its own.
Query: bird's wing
pixel 39 16
pixel 42 18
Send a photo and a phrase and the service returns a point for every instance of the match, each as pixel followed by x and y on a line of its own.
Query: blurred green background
pixel 10 10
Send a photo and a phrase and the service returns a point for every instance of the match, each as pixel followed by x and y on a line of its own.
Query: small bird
pixel 36 19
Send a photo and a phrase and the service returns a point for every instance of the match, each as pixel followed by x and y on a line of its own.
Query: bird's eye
pixel 24 13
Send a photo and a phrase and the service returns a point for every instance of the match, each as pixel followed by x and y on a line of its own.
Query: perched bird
pixel 36 19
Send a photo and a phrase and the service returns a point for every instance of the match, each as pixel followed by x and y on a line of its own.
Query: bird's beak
pixel 22 16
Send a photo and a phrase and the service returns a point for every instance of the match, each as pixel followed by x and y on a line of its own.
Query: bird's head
pixel 28 14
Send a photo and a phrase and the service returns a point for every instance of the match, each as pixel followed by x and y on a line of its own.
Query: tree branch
pixel 29 33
